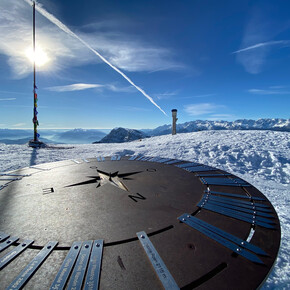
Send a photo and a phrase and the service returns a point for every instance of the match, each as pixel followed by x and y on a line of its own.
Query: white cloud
pixel 8 99
pixel 19 125
pixel 268 92
pixel 202 109
pixel 83 86
pixel 122 50
pixel 74 87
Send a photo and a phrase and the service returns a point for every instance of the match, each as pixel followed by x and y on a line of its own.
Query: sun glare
pixel 40 56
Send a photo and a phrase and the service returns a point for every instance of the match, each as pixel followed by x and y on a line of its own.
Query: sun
pixel 40 57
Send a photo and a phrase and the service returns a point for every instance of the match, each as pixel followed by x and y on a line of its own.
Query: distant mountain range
pixel 119 135
pixel 75 136
pixel 244 124
pixel 80 136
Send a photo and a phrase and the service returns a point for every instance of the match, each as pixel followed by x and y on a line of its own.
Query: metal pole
pixel 34 82
pixel 174 120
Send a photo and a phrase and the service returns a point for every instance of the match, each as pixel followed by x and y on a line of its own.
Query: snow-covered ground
pixel 260 157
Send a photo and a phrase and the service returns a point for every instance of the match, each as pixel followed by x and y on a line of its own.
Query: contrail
pixel 63 27
pixel 263 44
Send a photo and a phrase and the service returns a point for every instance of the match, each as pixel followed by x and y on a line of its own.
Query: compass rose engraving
pixel 103 178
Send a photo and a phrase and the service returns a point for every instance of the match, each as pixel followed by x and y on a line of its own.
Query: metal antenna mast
pixel 35 142
pixel 35 139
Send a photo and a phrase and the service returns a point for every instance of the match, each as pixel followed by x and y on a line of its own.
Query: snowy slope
pixel 260 157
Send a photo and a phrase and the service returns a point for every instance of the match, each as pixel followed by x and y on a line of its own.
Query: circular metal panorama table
pixel 133 222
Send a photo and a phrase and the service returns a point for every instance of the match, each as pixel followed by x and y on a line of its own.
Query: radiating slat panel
pixel 94 268
pixel 66 267
pixel 33 266
pixel 14 253
pixel 237 249
pixel 79 271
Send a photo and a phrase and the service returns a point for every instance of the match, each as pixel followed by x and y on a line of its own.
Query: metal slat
pixel 133 157
pixel 94 268
pixel 150 159
pixel 14 253
pixel 173 162
pixel 79 271
pixel 224 181
pixel 160 268
pixel 155 159
pixel 237 195
pixel 237 249
pixel 226 235
pixel 11 174
pixel 246 210
pixel 3 236
pixel 4 245
pixel 10 179
pixel 191 164
pixel 146 158
pixel 163 160
pixel 247 215
pixel 32 267
pixel 214 175
pixel 237 216
pixel 200 169
pixel 116 158
pixel 240 202
pixel 66 267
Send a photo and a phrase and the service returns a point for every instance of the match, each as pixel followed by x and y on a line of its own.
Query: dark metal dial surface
pixel 197 217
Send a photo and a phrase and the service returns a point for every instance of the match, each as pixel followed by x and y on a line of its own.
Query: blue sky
pixel 214 60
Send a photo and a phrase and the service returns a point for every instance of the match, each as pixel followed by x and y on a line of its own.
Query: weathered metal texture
pixel 109 199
